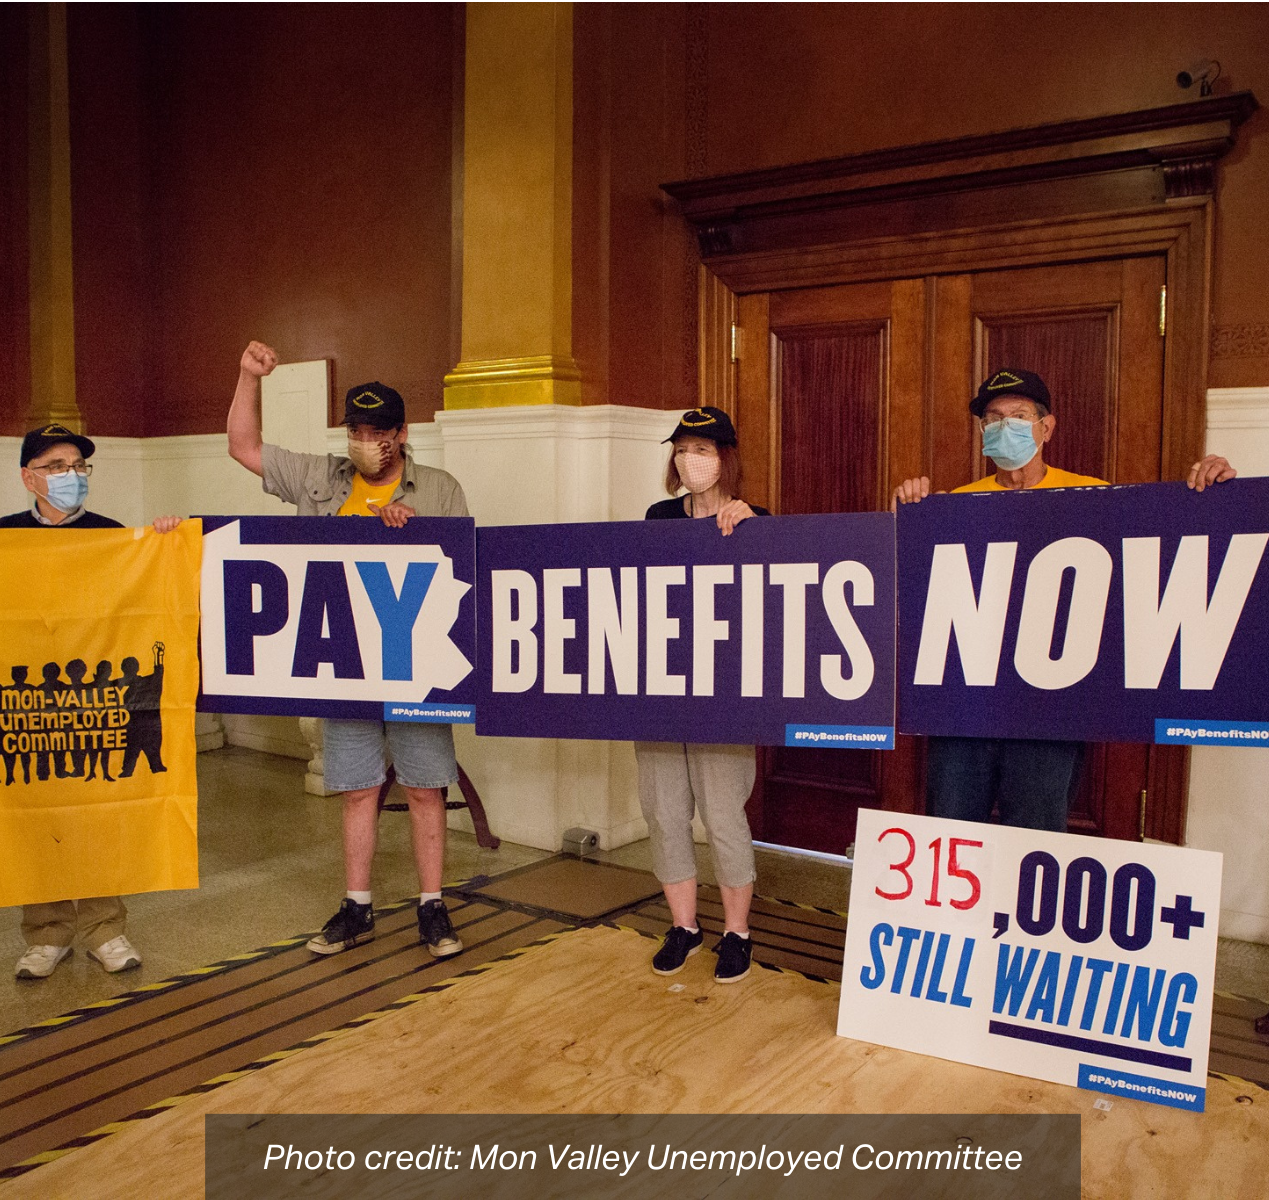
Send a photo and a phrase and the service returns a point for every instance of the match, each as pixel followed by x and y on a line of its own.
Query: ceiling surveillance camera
pixel 1204 73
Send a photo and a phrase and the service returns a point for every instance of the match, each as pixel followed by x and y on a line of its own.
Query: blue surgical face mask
pixel 67 492
pixel 1010 443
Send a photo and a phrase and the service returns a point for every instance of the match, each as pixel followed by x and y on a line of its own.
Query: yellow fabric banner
pixel 98 678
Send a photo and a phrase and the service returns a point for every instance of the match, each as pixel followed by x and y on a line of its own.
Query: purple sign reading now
pixel 1134 614
pixel 781 634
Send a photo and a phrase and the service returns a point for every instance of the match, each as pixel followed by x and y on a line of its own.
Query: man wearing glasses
pixel 1030 779
pixel 55 472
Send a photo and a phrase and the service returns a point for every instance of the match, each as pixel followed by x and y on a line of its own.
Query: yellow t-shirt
pixel 1053 478
pixel 364 494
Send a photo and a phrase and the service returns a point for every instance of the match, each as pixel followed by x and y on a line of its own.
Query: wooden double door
pixel 844 391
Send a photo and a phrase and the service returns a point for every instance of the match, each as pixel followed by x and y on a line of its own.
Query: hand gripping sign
pixel 1078 960
pixel 339 618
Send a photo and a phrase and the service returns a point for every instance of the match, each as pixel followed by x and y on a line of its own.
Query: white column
pixel 1229 789
pixel 547 464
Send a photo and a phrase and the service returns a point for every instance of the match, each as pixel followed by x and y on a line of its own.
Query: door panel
pixel 844 368
pixel 830 454
pixel 853 388
pixel 1092 332
pixel 1074 327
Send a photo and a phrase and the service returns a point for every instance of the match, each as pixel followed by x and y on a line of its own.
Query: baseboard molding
pixel 1244 927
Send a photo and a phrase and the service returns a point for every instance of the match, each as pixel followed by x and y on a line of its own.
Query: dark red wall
pixel 112 238
pixel 14 324
pixel 271 171
pixel 284 172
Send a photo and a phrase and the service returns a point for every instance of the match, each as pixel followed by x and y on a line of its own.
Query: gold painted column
pixel 51 291
pixel 517 209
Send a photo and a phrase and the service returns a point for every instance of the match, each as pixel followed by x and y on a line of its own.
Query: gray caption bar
pixel 633 1157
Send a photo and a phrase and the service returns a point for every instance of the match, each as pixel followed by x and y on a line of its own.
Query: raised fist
pixel 258 360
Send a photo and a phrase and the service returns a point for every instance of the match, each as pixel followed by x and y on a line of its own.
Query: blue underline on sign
pixel 1194 731
pixel 1067 1041
pixel 442 714
pixel 1142 1087
pixel 841 737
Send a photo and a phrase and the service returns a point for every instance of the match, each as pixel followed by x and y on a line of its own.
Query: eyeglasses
pixel 986 424
pixel 61 468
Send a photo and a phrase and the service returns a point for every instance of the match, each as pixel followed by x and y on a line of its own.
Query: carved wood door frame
pixel 1134 184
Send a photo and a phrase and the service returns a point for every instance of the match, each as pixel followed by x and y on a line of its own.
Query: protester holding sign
pixel 676 778
pixel 1031 780
pixel 379 478
pixel 55 471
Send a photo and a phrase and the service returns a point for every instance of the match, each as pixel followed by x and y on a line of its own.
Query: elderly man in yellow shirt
pixel 1031 780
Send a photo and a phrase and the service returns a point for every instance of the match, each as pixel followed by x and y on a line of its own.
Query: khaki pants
pixel 99 920
pixel 674 780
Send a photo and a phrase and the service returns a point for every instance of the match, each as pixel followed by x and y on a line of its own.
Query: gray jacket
pixel 318 484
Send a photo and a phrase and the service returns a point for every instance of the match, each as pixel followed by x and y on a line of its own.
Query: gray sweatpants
pixel 674 779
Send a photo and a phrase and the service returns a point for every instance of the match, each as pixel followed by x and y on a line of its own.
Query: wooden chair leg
pixel 471 799
pixel 477 809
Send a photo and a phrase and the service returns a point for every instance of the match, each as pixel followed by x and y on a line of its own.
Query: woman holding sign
pixel 676 779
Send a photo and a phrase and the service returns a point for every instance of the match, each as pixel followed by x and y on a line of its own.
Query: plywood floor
pixel 115 1063
pixel 61 1081
pixel 579 1024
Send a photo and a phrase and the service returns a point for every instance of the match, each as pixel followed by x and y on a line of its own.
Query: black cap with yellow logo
pixel 39 440
pixel 706 422
pixel 1011 381
pixel 374 404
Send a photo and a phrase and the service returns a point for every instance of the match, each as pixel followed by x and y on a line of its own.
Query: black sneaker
pixel 436 931
pixel 679 945
pixel 733 958
pixel 352 925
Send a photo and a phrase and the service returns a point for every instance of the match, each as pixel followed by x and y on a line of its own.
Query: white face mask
pixel 369 457
pixel 699 472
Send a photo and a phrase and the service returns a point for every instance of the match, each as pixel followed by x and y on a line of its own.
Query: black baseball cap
pixel 374 404
pixel 39 440
pixel 1011 381
pixel 706 422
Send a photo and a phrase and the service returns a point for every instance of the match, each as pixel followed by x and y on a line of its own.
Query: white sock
pixel 358 897
pixel 692 928
pixel 744 935
pixel 424 897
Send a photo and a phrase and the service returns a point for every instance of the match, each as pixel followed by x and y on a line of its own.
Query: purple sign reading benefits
pixel 781 634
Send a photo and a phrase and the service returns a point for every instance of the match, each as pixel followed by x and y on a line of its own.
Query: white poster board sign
pixel 1079 960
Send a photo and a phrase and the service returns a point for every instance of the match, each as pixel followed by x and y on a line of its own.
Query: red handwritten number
pixel 975 888
pixel 934 901
pixel 902 867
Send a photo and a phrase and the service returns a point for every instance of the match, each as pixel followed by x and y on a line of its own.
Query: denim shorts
pixel 356 754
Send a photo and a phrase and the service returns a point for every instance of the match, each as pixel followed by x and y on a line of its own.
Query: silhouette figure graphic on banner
pixel 76 669
pixel 72 727
pixel 53 683
pixel 11 757
pixel 100 680
pixel 145 728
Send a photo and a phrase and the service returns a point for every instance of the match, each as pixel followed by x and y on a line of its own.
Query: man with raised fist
pixel 378 477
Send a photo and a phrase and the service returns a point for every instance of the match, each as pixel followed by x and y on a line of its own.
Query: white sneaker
pixel 39 962
pixel 118 954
